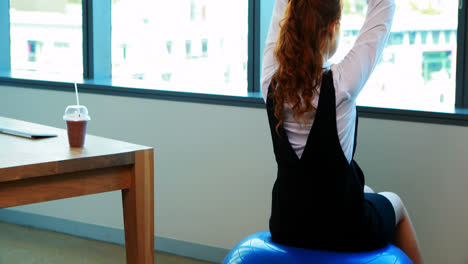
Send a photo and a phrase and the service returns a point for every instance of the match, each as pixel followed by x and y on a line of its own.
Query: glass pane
pixel 418 67
pixel 184 45
pixel 46 36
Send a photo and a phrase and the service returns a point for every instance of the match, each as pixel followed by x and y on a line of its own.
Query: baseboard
pixel 111 235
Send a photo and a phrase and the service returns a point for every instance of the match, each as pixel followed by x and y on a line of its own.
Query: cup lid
pixel 76 113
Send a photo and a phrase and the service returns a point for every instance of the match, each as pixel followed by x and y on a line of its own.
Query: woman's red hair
pixel 304 34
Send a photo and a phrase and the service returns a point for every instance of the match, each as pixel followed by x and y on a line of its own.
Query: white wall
pixel 207 174
pixel 214 168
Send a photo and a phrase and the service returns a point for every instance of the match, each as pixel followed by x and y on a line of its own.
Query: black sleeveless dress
pixel 318 200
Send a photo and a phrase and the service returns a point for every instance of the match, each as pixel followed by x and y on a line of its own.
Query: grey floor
pixel 24 245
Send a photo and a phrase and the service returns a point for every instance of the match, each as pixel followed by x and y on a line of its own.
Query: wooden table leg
pixel 138 210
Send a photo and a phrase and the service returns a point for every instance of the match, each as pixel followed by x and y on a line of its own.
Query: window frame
pixel 97 69
pixel 97 39
pixel 253 73
pixel 461 89
pixel 5 56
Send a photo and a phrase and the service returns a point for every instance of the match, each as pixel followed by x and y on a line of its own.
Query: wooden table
pixel 39 170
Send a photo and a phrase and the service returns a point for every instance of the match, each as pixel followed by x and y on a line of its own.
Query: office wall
pixel 214 168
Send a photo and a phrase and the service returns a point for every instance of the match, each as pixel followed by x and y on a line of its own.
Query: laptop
pixel 25 132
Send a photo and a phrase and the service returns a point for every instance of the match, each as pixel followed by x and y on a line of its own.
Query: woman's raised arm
pixel 355 69
pixel 269 64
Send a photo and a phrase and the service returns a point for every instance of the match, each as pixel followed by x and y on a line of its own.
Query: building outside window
pixel 185 45
pixel 418 67
pixel 46 36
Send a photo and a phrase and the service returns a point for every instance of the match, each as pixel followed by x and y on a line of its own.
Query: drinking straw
pixel 77 98
pixel 76 92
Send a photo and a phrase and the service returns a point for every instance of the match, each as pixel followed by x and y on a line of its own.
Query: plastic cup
pixel 77 118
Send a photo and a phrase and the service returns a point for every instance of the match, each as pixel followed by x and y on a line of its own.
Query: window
pixel 185 45
pixel 418 67
pixel 212 49
pixel 46 36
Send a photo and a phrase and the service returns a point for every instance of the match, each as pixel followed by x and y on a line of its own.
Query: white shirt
pixel 349 75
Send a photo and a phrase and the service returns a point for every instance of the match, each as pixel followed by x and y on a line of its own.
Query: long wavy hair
pixel 304 36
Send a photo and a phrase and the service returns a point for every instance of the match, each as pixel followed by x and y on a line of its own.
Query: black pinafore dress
pixel 318 200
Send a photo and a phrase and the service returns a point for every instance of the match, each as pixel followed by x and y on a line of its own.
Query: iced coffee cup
pixel 77 118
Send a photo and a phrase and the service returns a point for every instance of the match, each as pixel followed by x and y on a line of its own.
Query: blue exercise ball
pixel 260 249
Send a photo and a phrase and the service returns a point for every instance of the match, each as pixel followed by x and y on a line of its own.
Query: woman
pixel 319 199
